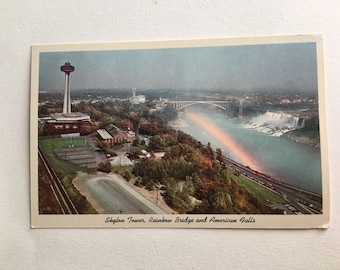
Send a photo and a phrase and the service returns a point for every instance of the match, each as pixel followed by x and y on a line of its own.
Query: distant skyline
pixel 291 66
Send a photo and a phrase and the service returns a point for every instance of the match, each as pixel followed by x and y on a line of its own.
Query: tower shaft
pixel 67 68
pixel 67 95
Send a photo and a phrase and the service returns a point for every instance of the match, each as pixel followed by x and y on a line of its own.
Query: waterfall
pixel 276 123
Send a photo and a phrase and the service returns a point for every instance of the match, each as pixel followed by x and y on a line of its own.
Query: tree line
pixel 192 178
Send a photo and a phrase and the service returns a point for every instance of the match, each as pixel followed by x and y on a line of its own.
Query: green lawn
pixel 60 143
pixel 264 195
pixel 64 167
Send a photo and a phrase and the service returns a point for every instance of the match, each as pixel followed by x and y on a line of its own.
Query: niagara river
pixel 283 159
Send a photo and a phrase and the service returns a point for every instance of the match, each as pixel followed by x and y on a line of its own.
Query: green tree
pixel 174 152
pixel 175 197
pixel 136 142
pixel 150 170
pixel 43 110
pixel 156 143
pixel 102 145
pixel 180 168
pixel 219 156
pixel 127 175
pixel 185 138
pixel 167 114
pixel 105 166
pixel 148 128
pixel 210 152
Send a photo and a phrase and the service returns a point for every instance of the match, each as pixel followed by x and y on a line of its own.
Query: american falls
pixel 276 123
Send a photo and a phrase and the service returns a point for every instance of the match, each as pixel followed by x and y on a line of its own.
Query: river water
pixel 283 159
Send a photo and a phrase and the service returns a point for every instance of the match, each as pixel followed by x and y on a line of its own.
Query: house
pixel 104 136
pixel 114 135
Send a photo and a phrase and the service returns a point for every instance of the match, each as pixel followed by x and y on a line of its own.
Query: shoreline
pixel 297 137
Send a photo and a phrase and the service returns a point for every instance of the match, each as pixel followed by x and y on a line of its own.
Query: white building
pixel 137 99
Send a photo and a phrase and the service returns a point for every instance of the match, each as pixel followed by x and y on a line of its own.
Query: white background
pixel 24 23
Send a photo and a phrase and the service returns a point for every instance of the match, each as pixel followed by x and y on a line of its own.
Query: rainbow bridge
pixel 224 105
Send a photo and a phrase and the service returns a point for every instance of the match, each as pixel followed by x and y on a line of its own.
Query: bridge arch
pixel 223 106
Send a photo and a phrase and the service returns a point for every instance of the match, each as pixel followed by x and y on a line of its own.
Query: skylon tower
pixel 67 68
pixel 65 122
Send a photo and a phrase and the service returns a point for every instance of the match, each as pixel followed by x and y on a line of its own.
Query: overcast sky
pixel 248 67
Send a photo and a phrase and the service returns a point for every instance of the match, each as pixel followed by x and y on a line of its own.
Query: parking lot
pixel 81 156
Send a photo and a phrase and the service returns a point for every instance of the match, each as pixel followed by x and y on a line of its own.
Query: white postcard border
pixel 188 220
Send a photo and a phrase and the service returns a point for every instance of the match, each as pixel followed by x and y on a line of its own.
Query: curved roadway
pixel 293 195
pixel 117 197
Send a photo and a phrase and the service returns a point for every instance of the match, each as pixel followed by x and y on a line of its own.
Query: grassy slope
pixel 264 195
pixel 67 170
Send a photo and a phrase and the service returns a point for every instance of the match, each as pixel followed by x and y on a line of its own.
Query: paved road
pixel 116 197
pixel 298 198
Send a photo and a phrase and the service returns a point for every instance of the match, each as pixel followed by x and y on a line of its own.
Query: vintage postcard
pixel 219 133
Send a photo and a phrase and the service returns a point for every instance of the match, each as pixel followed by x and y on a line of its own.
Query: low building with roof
pixel 105 136
pixel 114 135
